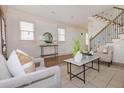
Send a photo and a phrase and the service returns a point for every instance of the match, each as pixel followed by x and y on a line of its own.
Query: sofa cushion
pixel 4 73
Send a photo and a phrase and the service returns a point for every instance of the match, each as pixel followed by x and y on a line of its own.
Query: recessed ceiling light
pixel 72 17
pixel 53 12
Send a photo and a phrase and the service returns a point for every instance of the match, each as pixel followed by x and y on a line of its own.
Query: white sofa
pixel 106 54
pixel 42 78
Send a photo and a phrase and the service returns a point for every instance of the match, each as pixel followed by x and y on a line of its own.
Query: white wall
pixel 95 25
pixel 0 42
pixel 119 51
pixel 41 26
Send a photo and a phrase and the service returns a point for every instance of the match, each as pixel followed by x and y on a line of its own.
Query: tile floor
pixel 108 77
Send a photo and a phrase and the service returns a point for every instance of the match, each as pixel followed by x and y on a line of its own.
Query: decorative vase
pixel 78 57
pixel 48 38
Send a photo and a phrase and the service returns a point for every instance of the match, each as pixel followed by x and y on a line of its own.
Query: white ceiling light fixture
pixel 72 17
pixel 53 12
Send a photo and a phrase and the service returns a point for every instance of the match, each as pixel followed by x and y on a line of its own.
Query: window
pixel 27 30
pixel 61 34
pixel 87 39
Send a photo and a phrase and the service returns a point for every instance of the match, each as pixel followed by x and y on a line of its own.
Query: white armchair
pixel 106 54
pixel 45 77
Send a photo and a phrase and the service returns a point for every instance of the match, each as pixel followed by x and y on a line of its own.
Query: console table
pixel 55 46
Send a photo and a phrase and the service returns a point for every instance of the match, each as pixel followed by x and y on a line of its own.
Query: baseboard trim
pixel 113 63
pixel 59 55
pixel 118 61
pixel 63 54
pixel 118 64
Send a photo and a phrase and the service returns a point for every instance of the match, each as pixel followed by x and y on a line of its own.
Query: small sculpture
pixel 48 38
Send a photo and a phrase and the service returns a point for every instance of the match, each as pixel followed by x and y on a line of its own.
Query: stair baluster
pixel 115 19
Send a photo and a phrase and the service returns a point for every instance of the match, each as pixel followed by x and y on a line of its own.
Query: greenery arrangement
pixel 75 47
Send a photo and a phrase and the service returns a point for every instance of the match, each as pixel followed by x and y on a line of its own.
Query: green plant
pixel 75 47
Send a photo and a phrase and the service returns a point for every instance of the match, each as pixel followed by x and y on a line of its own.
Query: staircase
pixel 112 32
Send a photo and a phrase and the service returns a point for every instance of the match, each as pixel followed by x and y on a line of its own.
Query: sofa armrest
pixel 32 77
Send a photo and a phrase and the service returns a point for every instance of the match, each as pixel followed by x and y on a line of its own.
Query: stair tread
pixel 116 38
pixel 109 42
pixel 121 33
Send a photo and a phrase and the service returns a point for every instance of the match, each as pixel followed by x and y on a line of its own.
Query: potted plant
pixel 76 51
pixel 75 47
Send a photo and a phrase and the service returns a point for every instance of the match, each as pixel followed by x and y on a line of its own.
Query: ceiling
pixel 71 14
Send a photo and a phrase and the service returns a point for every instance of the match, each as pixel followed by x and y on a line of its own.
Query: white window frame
pixel 61 34
pixel 26 31
pixel 87 39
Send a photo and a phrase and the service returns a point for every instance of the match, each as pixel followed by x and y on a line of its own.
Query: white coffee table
pixel 85 60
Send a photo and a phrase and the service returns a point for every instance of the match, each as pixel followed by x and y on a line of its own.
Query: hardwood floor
pixel 52 61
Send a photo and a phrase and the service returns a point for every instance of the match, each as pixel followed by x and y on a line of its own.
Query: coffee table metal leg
pixel 98 64
pixel 84 73
pixel 92 64
pixel 70 71
pixel 67 68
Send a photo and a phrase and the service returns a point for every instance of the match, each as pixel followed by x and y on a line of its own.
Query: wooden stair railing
pixel 104 15
pixel 111 30
pixel 107 25
pixel 109 14
pixel 112 21
pixel 118 8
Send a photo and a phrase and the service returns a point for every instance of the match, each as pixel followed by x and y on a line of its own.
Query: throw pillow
pixel 19 63
pixel 26 61
pixel 14 65
pixel 23 58
pixel 105 51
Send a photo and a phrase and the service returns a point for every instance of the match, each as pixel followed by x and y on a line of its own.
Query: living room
pixel 54 35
